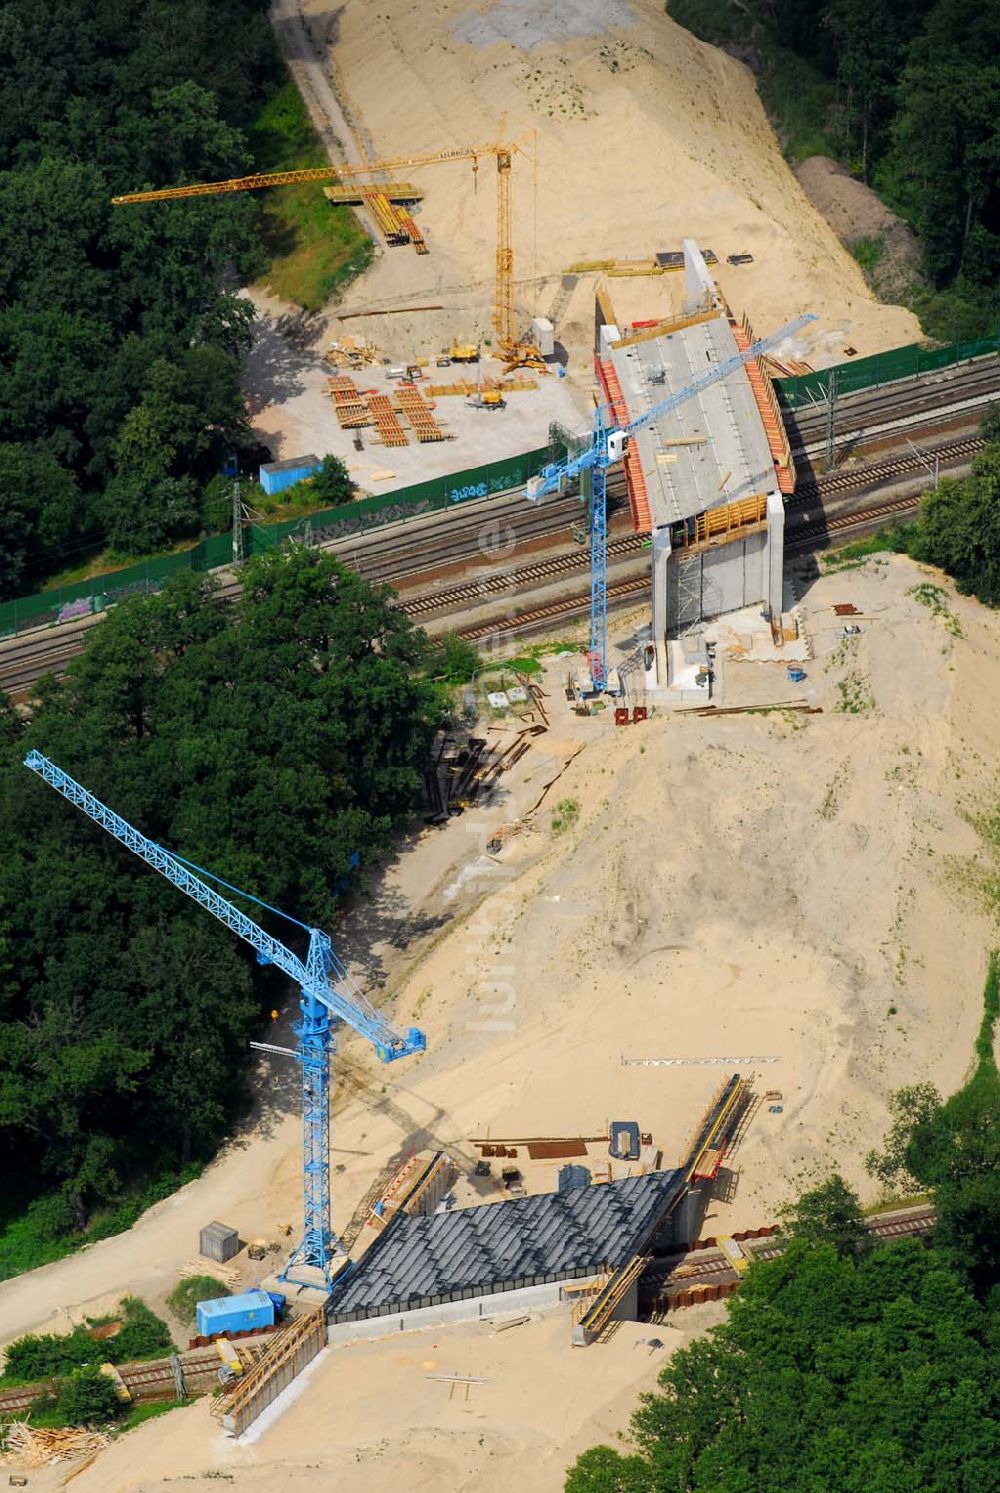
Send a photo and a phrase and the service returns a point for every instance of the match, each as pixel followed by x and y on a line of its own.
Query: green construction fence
pixel 880 368
pixel 63 603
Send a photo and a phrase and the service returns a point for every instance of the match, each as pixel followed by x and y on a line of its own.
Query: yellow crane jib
pixel 515 352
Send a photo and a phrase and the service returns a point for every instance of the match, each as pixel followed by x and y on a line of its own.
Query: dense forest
pixel 121 332
pixel 905 93
pixel 276 745
pixel 841 1366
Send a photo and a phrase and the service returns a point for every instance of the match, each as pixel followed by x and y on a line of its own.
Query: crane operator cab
pixel 617 445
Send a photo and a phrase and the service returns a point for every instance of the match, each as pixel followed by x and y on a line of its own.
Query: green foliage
pixel 864 1375
pixel 121 332
pixel 829 1213
pixel 453 660
pixel 960 527
pixel 269 744
pixel 183 1299
pixel 87 1398
pixel 566 813
pixel 314 249
pixel 332 484
pixel 143 1335
pixel 953 1148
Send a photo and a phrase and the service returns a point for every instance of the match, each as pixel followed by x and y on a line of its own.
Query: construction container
pixel 277 475
pixel 217 1241
pixel 227 1314
pixel 543 336
pixel 279 1302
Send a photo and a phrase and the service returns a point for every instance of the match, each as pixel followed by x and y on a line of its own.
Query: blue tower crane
pixel 608 444
pixel 327 990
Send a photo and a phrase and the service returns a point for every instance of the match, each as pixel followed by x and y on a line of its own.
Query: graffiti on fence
pixel 134 588
pixel 82 607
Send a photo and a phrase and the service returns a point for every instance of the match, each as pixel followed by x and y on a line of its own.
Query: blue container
pixel 277 475
pixel 247 1313
pixel 279 1304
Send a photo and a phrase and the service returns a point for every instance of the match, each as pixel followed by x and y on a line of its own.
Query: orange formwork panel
pixel 635 481
pixel 412 231
pixel 767 404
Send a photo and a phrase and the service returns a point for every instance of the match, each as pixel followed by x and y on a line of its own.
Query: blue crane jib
pixel 327 990
pixel 608 444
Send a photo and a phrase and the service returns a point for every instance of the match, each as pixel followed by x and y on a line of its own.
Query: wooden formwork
pixel 350 407
pixel 418 413
pixel 386 422
pixel 288 1354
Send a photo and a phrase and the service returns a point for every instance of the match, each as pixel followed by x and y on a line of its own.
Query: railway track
pixel 567 608
pixel 905 397
pixel 401 554
pixel 662 1281
pixel 144 1381
pixel 875 473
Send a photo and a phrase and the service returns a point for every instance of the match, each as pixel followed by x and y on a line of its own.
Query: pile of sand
pixel 644 136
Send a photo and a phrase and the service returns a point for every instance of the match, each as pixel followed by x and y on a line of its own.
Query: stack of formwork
pixel 386 422
pixel 418 413
pixel 387 217
pixel 351 407
pixel 412 231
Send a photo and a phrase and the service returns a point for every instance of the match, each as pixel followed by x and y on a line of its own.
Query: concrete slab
pixel 286 376
pixel 728 457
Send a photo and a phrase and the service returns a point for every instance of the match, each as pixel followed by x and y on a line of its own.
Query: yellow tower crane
pixel 516 352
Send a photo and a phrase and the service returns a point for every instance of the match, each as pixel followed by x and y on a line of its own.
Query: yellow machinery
pixel 463 352
pixel 515 352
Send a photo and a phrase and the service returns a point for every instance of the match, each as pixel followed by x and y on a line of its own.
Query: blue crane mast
pixel 608 444
pixel 327 991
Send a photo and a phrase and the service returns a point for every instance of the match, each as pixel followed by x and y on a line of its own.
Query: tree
pixel 278 745
pixel 332 484
pixel 88 1398
pixel 855 1374
pixel 830 1212
pixel 960 527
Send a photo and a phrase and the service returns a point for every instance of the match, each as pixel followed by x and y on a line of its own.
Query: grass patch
pixel 891 1205
pixel 869 252
pixel 896 539
pixel 314 249
pixel 138 1414
pixel 986 1064
pixel 183 1299
pixel 566 813
pixel 936 600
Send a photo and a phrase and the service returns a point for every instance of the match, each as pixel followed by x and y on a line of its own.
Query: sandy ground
pixel 635 136
pixel 767 885
pixel 855 213
pixel 368 1417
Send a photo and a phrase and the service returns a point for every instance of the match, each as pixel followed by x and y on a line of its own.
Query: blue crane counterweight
pixel 608 445
pixel 327 990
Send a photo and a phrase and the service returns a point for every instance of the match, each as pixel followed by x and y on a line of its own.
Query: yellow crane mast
pixel 515 351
